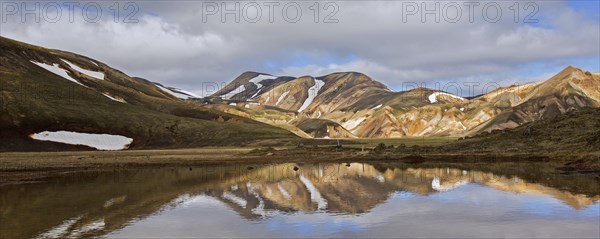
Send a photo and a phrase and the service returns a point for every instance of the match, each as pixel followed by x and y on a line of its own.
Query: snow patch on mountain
pixel 237 90
pixel 351 124
pixel 173 93
pixel 282 97
pixel 313 91
pixel 189 94
pixel 98 141
pixel 256 80
pixel 433 97
pixel 94 74
pixel 54 68
pixel 113 98
pixel 377 107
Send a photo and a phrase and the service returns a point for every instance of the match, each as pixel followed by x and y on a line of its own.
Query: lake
pixel 306 200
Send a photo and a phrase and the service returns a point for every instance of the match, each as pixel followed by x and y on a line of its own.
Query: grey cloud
pixel 172 45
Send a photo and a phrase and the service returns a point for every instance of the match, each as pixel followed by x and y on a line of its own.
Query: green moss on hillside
pixel 33 100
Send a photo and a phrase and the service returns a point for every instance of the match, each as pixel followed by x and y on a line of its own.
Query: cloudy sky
pixel 188 44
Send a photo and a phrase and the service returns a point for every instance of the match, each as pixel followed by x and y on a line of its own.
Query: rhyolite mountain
pixel 351 104
pixel 51 90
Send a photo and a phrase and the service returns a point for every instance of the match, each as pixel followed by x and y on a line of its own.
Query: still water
pixel 305 200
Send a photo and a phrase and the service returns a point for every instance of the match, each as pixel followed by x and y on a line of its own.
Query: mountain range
pixel 46 94
pixel 352 105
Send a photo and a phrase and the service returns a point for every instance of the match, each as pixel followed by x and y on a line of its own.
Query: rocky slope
pixel 576 131
pixel 362 107
pixel 50 91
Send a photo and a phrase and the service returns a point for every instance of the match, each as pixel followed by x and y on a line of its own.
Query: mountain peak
pixel 347 73
pixel 254 73
pixel 569 69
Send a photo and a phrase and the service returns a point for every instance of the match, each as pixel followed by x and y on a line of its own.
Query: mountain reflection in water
pixel 291 200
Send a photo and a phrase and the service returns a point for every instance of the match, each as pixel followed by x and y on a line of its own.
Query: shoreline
pixel 22 167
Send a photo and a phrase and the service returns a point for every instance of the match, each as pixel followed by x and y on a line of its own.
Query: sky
pixel 188 44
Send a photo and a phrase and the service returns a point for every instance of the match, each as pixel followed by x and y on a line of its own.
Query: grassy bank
pixel 20 167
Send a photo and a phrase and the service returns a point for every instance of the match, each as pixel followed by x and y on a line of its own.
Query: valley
pixel 337 119
pixel 57 92
pixel 566 145
pixel 59 101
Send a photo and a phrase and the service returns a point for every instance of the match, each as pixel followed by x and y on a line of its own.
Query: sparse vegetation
pixel 35 100
pixel 575 131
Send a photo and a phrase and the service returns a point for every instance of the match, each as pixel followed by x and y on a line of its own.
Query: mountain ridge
pixel 45 90
pixel 89 96
pixel 367 108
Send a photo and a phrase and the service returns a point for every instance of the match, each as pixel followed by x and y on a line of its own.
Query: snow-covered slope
pixel 433 98
pixel 94 74
pixel 181 94
pixel 257 81
pixel 55 68
pixel 312 94
pixel 234 92
pixel 98 141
